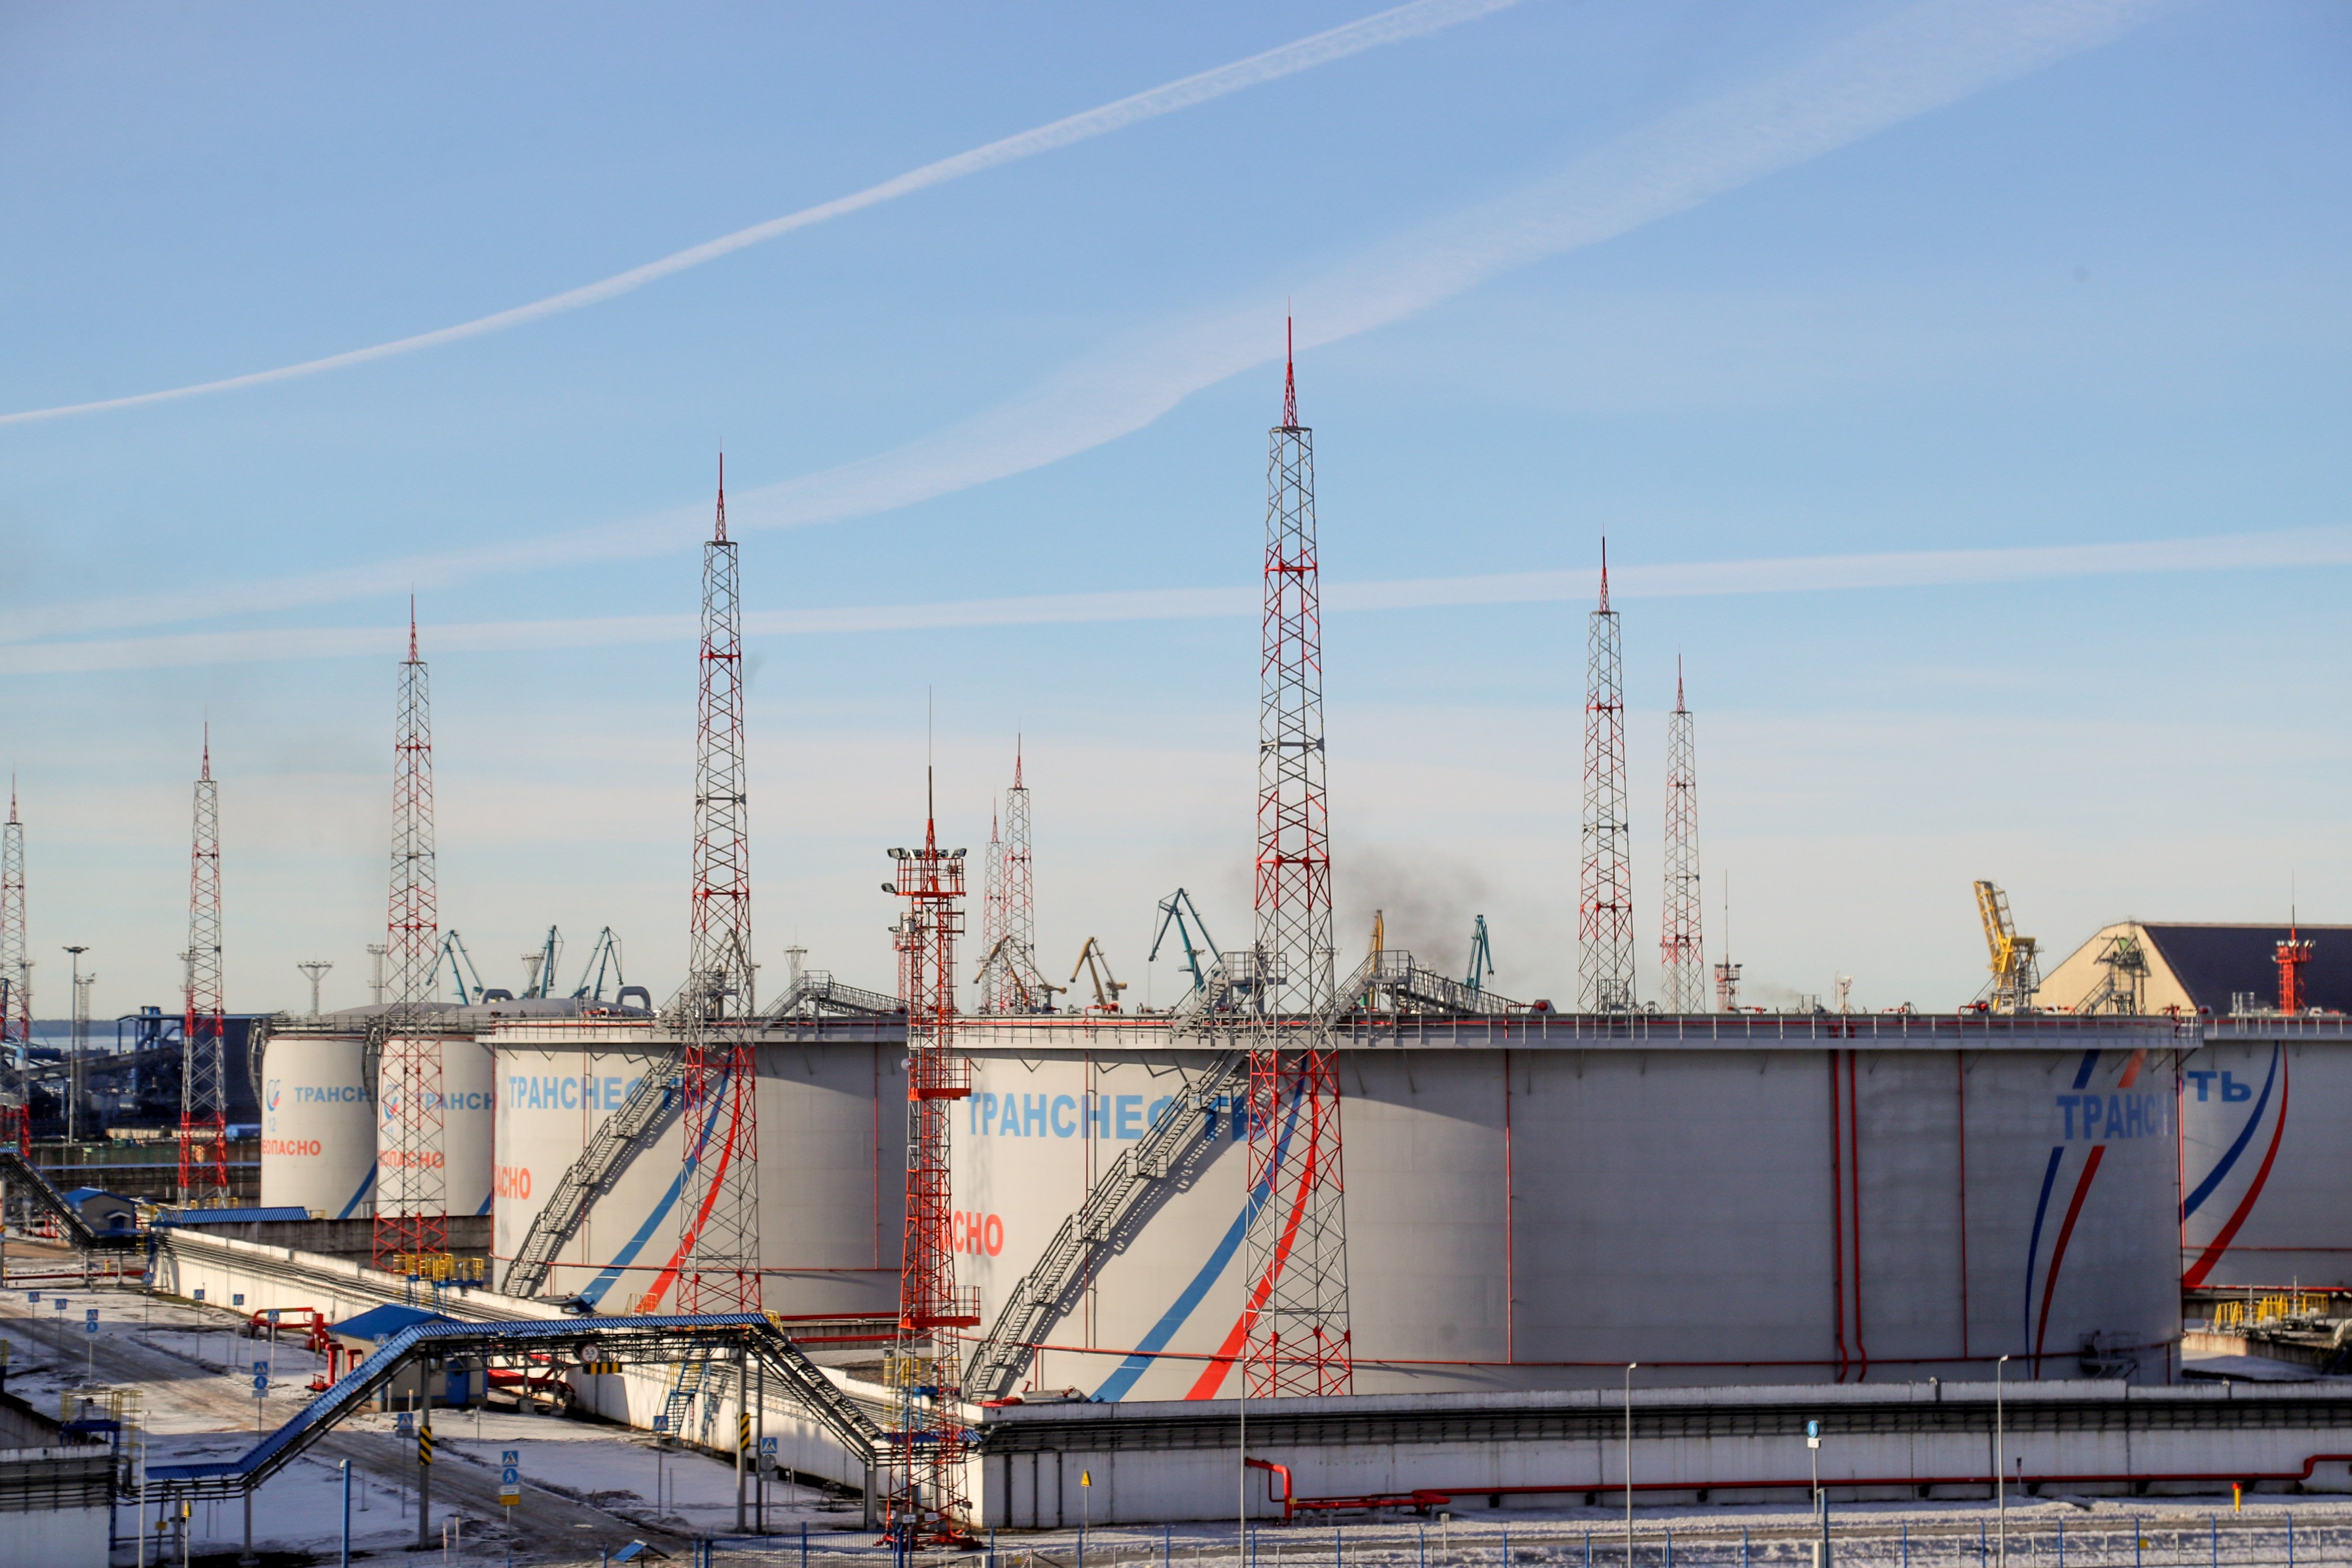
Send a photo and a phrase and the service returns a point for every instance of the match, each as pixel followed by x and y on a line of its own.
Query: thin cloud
pixel 1924 57
pixel 1802 574
pixel 1414 21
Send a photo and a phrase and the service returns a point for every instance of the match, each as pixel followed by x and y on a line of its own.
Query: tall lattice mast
pixel 721 1273
pixel 1023 977
pixel 993 984
pixel 1296 1325
pixel 203 1069
pixel 17 969
pixel 1682 952
pixel 1605 891
pixel 925 1488
pixel 412 1188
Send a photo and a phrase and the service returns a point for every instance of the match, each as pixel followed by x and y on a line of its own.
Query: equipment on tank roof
pixel 1173 910
pixel 1097 965
pixel 2014 973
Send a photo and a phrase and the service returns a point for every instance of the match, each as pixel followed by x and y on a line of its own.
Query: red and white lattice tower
pixel 924 1492
pixel 16 973
pixel 1296 1324
pixel 1682 952
pixel 1605 889
pixel 993 983
pixel 2292 953
pixel 721 1271
pixel 203 1065
pixel 411 1206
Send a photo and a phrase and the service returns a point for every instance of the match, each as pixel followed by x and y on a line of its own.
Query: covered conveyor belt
pixel 622 1340
pixel 15 1168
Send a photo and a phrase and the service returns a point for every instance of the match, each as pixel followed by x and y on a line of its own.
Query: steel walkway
pixel 652 1340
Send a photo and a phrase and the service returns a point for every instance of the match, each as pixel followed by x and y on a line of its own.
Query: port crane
pixel 1097 965
pixel 2013 960
pixel 538 968
pixel 1021 987
pixel 463 974
pixel 1173 910
pixel 1482 959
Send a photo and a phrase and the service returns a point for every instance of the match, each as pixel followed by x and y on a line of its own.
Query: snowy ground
pixel 590 1488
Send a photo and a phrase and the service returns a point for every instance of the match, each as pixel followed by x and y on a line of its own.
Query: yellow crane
pixel 2015 976
pixel 1097 964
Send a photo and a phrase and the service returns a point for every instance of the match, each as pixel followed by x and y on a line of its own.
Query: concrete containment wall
pixel 1725 1201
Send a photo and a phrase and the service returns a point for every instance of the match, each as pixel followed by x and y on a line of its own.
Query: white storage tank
pixel 831 1100
pixel 1534 1202
pixel 2261 1169
pixel 318 1119
pixel 468 1113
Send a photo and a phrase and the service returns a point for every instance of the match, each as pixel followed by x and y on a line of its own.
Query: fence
pixel 2134 1538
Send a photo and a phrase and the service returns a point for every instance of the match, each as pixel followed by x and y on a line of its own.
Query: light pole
pixel 75 1042
pixel 1820 1498
pixel 1628 1462
pixel 2000 1462
pixel 316 968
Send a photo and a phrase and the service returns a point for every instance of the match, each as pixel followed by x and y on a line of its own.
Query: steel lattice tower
pixel 1682 949
pixel 924 1491
pixel 1022 975
pixel 993 983
pixel 203 1069
pixel 1295 1321
pixel 1605 891
pixel 16 971
pixel 412 1188
pixel 721 1273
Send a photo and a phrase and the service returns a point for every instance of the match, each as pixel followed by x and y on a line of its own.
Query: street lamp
pixel 1628 1462
pixel 1820 1498
pixel 2000 1462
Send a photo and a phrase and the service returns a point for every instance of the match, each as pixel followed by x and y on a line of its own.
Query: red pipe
pixel 1275 1472
pixel 1424 1497
pixel 1853 1181
pixel 1837 1224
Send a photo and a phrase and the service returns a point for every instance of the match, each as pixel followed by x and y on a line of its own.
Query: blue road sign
pixel 403 1422
pixel 89 1321
pixel 237 1300
pixel 767 1447
pixel 34 1296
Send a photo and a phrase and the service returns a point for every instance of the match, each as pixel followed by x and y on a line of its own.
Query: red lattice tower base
pixel 925 1499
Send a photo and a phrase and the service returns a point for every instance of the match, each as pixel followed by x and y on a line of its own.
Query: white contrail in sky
pixel 1921 59
pixel 1797 575
pixel 1411 21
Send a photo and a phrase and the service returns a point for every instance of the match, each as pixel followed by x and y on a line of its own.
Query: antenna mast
pixel 204 1072
pixel 412 1186
pixel 16 975
pixel 721 1273
pixel 1296 1323
pixel 1681 956
pixel 1605 967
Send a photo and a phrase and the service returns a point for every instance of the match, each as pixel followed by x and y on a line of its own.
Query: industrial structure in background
pixel 721 1271
pixel 1605 882
pixel 203 1064
pixel 16 976
pixel 1295 1324
pixel 1009 980
pixel 411 1191
pixel 925 1494
pixel 1682 950
pixel 2012 957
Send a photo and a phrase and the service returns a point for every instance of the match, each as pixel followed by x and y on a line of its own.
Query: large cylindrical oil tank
pixel 1537 1201
pixel 466 1124
pixel 831 1111
pixel 2262 1175
pixel 318 1119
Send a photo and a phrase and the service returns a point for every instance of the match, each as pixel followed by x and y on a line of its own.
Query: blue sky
pixel 1731 285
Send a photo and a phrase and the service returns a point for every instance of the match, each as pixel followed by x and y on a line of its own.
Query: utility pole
pixel 75 1045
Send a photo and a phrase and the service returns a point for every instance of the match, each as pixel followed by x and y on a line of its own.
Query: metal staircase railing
pixel 680 1398
pixel 1140 1179
pixel 817 994
pixel 44 1194
pixel 653 1100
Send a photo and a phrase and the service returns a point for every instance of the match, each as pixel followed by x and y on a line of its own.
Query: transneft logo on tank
pixel 561 1091
pixel 1113 1116
pixel 2106 1118
pixel 467 1100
